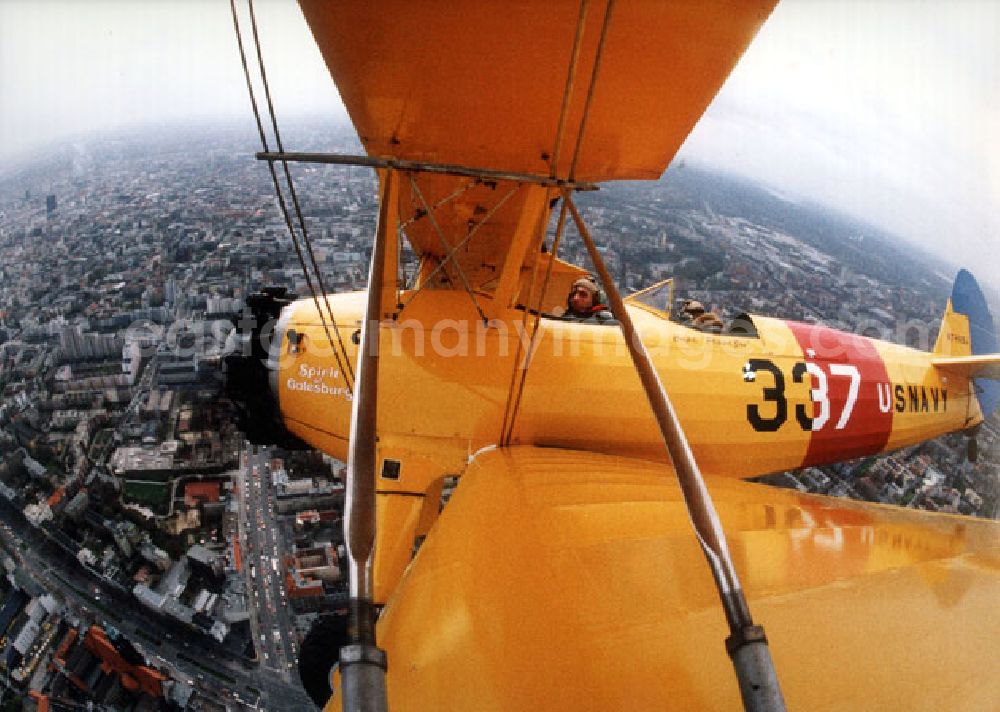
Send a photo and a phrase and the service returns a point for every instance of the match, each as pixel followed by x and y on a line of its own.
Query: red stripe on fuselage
pixel 867 429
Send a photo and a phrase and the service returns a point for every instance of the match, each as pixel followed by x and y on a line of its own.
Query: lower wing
pixel 565 580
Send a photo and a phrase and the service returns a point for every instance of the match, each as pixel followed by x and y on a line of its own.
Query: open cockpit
pixel 659 299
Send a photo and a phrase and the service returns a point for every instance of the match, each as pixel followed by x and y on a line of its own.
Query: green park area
pixel 154 495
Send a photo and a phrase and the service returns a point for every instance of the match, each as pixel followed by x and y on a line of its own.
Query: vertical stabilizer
pixel 954 338
pixel 967 328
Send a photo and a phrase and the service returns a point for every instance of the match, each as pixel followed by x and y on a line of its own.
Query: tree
pixel 13 704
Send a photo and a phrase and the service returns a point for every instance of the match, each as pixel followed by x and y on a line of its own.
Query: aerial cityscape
pixel 786 493
pixel 154 559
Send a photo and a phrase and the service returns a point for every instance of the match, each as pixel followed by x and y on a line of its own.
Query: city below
pixel 153 558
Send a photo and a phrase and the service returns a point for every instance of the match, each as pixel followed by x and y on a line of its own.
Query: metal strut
pixel 568 91
pixel 746 644
pixel 441 203
pixel 405 280
pixel 347 370
pixel 362 662
pixel 593 85
pixel 399 164
pixel 514 399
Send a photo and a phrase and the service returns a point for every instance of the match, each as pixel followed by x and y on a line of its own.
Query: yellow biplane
pixel 564 573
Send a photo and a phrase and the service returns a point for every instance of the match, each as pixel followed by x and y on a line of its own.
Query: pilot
pixel 584 302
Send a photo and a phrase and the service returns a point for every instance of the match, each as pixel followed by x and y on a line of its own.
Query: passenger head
pixel 582 296
pixel 692 309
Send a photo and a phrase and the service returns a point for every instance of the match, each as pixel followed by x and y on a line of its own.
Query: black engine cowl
pixel 248 373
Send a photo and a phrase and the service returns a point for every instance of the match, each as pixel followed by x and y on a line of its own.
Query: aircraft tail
pixel 967 343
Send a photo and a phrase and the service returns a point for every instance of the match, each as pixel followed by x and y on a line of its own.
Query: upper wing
pixel 482 83
pixel 564 580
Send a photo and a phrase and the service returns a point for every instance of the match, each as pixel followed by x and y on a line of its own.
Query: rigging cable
pixel 567 94
pixel 514 401
pixel 504 440
pixel 590 90
pixel 295 198
pixel 454 250
pixel 444 243
pixel 418 213
pixel 283 206
pixel 747 643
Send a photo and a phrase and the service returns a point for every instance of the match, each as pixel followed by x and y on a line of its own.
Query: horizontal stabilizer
pixel 984 366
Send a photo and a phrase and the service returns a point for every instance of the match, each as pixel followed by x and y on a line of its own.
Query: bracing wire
pixel 568 92
pixel 444 244
pixel 418 213
pixel 349 375
pixel 468 238
pixel 514 401
pixel 592 88
pixel 282 204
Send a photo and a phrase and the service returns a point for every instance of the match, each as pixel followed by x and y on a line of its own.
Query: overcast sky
pixel 887 109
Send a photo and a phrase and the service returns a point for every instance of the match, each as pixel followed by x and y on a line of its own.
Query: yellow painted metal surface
pixel 482 85
pixel 499 75
pixel 582 393
pixel 792 396
pixel 917 384
pixel 489 229
pixel 564 575
pixel 954 338
pixel 561 580
pixel 313 392
pixel 985 366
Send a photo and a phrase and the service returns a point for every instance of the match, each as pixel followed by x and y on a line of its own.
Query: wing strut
pixel 519 374
pixel 746 644
pixel 362 662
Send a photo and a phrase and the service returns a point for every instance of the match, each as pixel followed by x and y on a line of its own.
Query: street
pixel 228 678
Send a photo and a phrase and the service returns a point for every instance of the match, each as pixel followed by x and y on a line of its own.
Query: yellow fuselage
pixel 793 395
pixel 749 404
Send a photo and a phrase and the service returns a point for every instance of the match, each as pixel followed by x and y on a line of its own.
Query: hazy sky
pixel 888 109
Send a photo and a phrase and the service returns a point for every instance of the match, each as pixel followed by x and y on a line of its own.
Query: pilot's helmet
pixel 587 283
pixel 590 285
